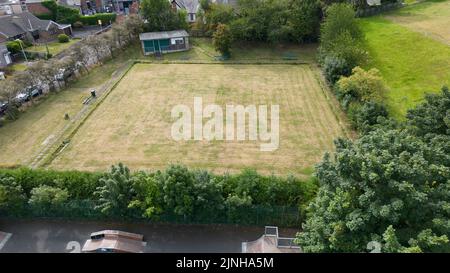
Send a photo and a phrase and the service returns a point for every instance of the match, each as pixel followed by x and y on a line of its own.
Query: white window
pixel 192 17
pixel 177 41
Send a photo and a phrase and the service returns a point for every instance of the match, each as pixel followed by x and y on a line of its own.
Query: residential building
pixel 26 26
pixel 190 6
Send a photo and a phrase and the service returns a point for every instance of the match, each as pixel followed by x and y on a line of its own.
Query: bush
pixel 12 197
pixel 334 68
pixel 370 114
pixel 15 46
pixel 174 194
pixel 362 85
pixel 78 24
pixel 222 40
pixel 47 196
pixel 106 18
pixel 63 38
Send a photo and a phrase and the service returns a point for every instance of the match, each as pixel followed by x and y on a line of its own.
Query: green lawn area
pixel 53 47
pixel 410 62
pixel 430 18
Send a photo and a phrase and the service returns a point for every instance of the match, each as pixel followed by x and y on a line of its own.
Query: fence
pixel 370 11
pixel 85 209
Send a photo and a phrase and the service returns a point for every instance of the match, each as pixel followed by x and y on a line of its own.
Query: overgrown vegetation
pixel 174 193
pixel 391 186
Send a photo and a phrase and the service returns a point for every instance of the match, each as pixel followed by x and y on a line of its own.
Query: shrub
pixel 106 18
pixel 63 38
pixel 222 39
pixel 47 196
pixel 334 68
pixel 369 115
pixel 14 46
pixel 12 197
pixel 177 193
pixel 78 24
pixel 362 85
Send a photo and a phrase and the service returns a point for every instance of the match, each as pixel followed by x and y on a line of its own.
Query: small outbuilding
pixel 164 41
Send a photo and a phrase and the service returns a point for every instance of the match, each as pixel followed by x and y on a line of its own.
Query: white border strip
pixel 2 243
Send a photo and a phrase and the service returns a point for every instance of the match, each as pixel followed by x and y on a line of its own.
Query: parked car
pixel 64 74
pixel 28 93
pixel 3 107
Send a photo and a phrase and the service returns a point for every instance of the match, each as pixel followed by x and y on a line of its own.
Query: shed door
pixel 164 44
pixel 148 46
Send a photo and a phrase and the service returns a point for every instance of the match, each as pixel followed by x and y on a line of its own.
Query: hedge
pixel 106 18
pixel 273 200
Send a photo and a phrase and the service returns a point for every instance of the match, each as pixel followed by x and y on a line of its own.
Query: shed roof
pixel 163 35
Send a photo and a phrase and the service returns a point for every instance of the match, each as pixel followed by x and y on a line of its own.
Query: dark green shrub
pixel 106 19
pixel 63 38
pixel 334 68
pixel 14 46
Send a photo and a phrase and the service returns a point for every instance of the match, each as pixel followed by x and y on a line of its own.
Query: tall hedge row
pixel 175 194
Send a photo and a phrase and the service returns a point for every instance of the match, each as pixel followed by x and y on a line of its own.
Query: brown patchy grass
pixel 22 139
pixel 133 124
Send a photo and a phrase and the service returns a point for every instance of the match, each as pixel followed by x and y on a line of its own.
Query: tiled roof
pixel 12 25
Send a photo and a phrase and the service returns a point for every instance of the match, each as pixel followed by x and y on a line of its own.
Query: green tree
pixel 160 16
pixel 341 36
pixel 116 192
pixel 148 195
pixel 388 177
pixel 222 39
pixel 304 20
pixel 176 184
pixel 433 116
pixel 12 197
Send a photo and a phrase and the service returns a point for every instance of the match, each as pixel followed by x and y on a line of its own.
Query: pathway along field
pixel 133 124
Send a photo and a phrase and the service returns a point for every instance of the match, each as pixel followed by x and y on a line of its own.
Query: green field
pixel 411 62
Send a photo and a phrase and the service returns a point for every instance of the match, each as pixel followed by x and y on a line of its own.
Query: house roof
pixel 16 24
pixel 191 6
pixel 163 35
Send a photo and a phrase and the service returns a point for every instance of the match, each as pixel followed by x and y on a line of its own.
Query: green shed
pixel 164 41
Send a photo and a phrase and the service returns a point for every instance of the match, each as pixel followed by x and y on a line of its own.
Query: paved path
pixel 45 236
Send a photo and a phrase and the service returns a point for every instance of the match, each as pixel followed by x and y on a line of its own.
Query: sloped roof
pixel 16 24
pixel 191 6
pixel 163 35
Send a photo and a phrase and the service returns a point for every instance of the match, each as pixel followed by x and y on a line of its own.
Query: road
pixel 48 236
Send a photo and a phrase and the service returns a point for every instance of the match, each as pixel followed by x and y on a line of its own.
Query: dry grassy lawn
pixel 133 124
pixel 21 140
